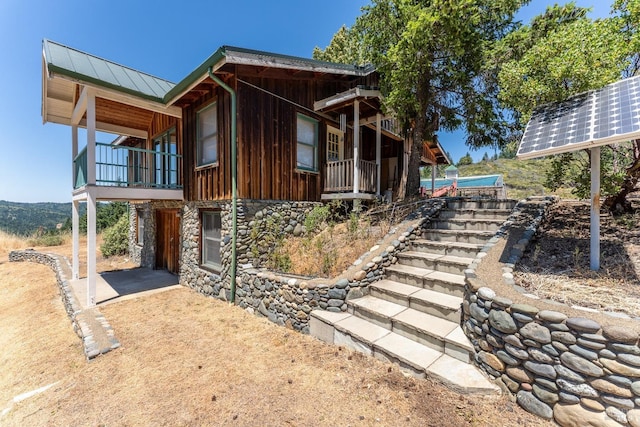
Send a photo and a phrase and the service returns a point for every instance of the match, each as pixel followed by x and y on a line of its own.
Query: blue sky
pixel 164 38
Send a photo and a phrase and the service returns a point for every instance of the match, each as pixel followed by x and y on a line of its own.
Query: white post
pixel 595 208
pixel 356 146
pixel 91 200
pixel 75 233
pixel 74 154
pixel 378 151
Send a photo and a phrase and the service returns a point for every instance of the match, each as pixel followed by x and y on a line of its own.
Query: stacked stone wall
pixel 558 365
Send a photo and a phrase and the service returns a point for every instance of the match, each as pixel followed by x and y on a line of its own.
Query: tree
pixel 465 160
pixel 345 47
pixel 431 58
pixel 485 158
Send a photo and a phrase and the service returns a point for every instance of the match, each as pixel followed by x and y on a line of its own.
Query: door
pixel 335 144
pixel 168 240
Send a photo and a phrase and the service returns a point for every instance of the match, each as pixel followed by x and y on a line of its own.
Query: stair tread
pixel 412 353
pixel 470 232
pixel 409 269
pixel 427 273
pixel 487 220
pixel 440 276
pixel 460 376
pixel 378 305
pixel 427 323
pixel 438 298
pixel 361 329
pixel 395 287
pixel 458 338
pixel 477 246
pixel 437 257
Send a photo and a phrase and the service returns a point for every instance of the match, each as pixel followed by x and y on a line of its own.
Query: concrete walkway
pixel 115 286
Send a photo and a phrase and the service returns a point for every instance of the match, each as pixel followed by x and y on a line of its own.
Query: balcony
pixel 119 168
pixel 339 178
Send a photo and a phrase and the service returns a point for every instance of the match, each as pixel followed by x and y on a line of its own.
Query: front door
pixel 168 240
pixel 335 144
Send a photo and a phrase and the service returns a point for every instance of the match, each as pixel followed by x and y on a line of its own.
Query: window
pixel 166 160
pixel 139 227
pixel 207 120
pixel 211 238
pixel 307 149
pixel 335 139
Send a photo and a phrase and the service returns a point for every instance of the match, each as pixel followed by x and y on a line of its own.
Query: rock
pixel 607 354
pixel 516 352
pixel 298 230
pixel 502 321
pixel 568 397
pixel 581 365
pixel 519 374
pixel 630 359
pixel 531 404
pixel 513 340
pixel 594 405
pixel 582 324
pixel 539 356
pixel 578 416
pixel 478 313
pixel 494 341
pixel 635 388
pixel 633 417
pixel 618 401
pixel 608 387
pixel 536 332
pixel 512 385
pixel 486 293
pixel 360 275
pixel 552 316
pixel 620 334
pixel 549 349
pixel 527 309
pixel 626 348
pixel 337 293
pixel 501 302
pixel 591 344
pixel 619 368
pixel 545 395
pixel 354 293
pixel 506 358
pixel 541 369
pixel 617 414
pixel 583 352
pixel 492 360
pixel 342 283
pixel 564 337
pixel 584 390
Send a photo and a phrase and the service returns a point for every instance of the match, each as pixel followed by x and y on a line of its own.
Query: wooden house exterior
pixel 305 131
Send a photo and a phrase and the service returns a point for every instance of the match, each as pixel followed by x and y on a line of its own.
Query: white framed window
pixel 211 239
pixel 307 147
pixel 139 227
pixel 207 138
pixel 335 144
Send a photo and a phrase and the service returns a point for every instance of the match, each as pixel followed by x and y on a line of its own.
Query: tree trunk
pixel 618 202
pixel 413 168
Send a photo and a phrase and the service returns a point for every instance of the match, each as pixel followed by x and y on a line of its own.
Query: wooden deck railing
pixel 339 176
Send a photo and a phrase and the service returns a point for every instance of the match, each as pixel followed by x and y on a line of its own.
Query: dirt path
pixel 189 360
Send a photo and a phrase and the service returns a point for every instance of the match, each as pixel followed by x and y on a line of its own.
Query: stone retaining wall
pixel 61 268
pixel 571 369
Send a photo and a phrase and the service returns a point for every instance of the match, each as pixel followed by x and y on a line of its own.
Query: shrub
pixel 116 238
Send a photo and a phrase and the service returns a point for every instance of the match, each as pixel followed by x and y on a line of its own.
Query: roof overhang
pixel 345 98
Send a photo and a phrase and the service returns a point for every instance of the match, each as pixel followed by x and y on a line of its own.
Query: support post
pixel 91 248
pixel 74 154
pixel 595 208
pixel 433 177
pixel 378 151
pixel 75 237
pixel 91 138
pixel 356 146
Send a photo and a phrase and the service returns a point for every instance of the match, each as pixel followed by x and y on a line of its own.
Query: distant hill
pixel 522 177
pixel 26 218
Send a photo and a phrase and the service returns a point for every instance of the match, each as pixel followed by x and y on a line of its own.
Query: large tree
pixel 431 55
pixel 562 53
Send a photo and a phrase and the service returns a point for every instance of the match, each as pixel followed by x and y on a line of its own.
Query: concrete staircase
pixel 412 317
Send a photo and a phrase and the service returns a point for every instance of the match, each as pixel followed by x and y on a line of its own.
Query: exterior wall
pixel 559 365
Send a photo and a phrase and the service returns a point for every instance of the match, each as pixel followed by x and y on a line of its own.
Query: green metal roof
pixel 88 68
pixel 451 168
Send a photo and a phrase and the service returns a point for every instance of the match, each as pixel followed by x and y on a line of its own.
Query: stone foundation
pixel 557 364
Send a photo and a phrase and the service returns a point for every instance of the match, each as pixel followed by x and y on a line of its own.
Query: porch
pixel 340 177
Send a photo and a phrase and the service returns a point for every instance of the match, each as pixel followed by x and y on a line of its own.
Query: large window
pixel 211 238
pixel 166 160
pixel 207 119
pixel 307 148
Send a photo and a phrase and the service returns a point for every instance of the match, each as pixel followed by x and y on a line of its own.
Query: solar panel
pixel 598 117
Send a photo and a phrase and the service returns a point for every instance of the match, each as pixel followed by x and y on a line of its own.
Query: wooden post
pixel 595 208
pixel 356 146
pixel 378 151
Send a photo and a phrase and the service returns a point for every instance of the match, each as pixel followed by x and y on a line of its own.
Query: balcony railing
pixel 122 166
pixel 339 176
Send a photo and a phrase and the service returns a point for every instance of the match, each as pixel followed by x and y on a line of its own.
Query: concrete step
pixel 480 204
pixel 468 250
pixel 432 331
pixel 467 224
pixel 435 303
pixel 448 213
pixel 452 284
pixel 443 263
pixel 460 236
pixel 360 335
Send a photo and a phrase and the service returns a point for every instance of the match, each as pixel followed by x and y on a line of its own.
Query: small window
pixel 207 119
pixel 211 238
pixel 307 150
pixel 140 227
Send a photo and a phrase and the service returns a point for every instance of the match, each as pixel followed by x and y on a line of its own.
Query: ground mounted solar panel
pixel 598 117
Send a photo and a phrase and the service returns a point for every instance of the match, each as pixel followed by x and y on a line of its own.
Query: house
pixel 246 137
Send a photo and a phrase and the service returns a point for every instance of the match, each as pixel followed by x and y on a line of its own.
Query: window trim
pixel 166 172
pixel 199 162
pixel 209 266
pixel 316 125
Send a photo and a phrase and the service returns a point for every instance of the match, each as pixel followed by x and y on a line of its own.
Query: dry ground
pixel 190 360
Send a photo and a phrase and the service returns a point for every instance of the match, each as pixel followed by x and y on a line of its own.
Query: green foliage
pixel 465 160
pixel 47 238
pixel 26 218
pixel 116 237
pixel 107 214
pixel 345 48
pixel 318 216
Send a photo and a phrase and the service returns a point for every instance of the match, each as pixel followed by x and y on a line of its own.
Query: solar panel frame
pixel 590 119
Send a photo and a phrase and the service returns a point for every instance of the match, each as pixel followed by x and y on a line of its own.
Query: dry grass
pixel 190 360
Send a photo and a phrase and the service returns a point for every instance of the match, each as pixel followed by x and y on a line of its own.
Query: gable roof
pixel 87 68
